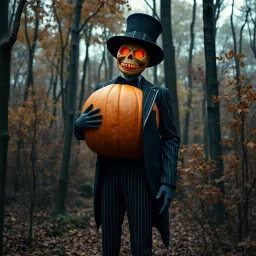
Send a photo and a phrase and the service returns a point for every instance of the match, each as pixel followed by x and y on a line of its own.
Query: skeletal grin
pixel 129 66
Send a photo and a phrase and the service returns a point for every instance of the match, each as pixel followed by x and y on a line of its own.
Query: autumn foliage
pixel 40 66
pixel 198 193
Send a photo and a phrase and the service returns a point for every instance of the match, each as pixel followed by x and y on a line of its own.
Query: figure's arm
pixel 79 133
pixel 169 138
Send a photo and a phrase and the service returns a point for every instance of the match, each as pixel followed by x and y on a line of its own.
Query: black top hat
pixel 141 28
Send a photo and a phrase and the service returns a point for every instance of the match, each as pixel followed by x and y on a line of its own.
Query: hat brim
pixel 156 53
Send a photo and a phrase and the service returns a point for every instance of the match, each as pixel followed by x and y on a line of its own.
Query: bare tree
pixel 237 49
pixel 110 61
pixel 63 43
pixel 242 208
pixel 252 31
pixel 31 48
pixel 54 78
pixel 190 83
pixel 103 59
pixel 154 13
pixel 169 59
pixel 87 38
pixel 213 110
pixel 71 106
pixel 218 8
pixel 7 40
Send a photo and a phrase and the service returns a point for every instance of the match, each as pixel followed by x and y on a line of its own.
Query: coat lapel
pixel 150 92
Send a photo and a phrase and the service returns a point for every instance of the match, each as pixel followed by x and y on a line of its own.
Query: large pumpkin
pixel 120 133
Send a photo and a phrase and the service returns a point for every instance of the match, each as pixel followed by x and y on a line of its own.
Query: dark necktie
pixel 121 80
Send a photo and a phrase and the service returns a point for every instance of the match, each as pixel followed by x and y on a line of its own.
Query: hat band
pixel 139 35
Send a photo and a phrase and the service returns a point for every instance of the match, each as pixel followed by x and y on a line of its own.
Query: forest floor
pixel 86 241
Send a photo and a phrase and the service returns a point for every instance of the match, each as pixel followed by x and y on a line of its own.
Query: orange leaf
pixel 231 52
pixel 238 56
pixel 242 64
pixel 250 144
pixel 231 108
pixel 214 101
pixel 252 131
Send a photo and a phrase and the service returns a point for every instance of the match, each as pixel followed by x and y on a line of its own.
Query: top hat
pixel 141 28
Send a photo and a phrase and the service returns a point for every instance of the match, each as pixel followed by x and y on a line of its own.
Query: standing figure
pixel 142 187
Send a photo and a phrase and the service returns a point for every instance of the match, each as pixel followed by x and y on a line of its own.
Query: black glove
pixel 86 121
pixel 165 191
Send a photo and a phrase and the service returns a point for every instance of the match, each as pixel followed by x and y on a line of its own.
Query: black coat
pixel 160 148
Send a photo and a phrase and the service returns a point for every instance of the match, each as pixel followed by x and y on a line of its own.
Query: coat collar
pixel 139 77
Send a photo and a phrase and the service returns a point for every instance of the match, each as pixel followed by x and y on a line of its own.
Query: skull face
pixel 132 59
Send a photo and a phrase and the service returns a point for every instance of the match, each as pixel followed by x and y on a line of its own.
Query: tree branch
pixel 12 14
pixel 242 28
pixel 154 11
pixel 26 32
pixel 16 24
pixel 90 17
pixel 69 29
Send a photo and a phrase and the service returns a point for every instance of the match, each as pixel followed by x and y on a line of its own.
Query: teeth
pixel 129 66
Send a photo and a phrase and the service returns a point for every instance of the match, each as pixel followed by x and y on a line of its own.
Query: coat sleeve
pixel 78 134
pixel 169 139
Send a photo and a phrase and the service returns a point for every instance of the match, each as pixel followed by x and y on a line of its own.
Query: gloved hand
pixel 166 191
pixel 86 120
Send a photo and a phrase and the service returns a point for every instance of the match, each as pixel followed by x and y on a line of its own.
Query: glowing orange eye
pixel 139 54
pixel 124 50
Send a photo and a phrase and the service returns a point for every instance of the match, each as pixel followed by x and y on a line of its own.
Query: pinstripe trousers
pixel 125 188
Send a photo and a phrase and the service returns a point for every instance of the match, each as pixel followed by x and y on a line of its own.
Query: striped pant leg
pixel 138 200
pixel 112 212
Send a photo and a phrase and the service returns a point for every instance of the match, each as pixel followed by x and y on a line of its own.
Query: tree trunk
pixel 252 34
pixel 155 67
pixel 169 59
pixel 110 59
pixel 243 218
pixel 234 41
pixel 5 60
pixel 204 114
pixel 213 110
pixel 54 94
pixel 190 89
pixel 63 46
pixel 104 56
pixel 6 43
pixel 110 65
pixel 101 64
pixel 89 79
pixel 71 109
pixel 87 39
pixel 31 51
pixel 217 11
